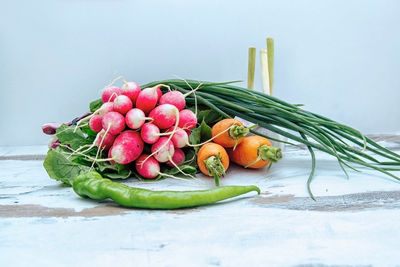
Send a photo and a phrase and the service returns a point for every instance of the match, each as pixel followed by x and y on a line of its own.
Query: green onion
pixel 251 67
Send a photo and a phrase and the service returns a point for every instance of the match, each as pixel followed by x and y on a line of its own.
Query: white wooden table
pixel 354 222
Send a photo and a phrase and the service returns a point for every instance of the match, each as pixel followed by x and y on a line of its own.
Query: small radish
pixel 105 108
pixel 163 149
pixel 148 169
pixel 179 138
pixel 159 92
pixel 150 133
pixel 121 154
pixel 106 140
pixel 122 104
pixel 129 136
pixel 131 90
pixel 95 123
pixel 175 98
pixel 135 118
pixel 187 119
pixel 113 122
pixel 164 115
pixel 178 158
pixel 127 147
pixel 110 93
pixel 147 99
pixel 50 128
pixel 109 156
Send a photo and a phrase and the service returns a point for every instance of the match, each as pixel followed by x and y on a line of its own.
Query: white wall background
pixel 341 58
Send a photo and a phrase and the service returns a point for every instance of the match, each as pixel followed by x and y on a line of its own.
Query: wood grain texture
pixel 352 223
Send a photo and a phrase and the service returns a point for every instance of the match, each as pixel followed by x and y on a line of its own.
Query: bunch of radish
pixel 131 121
pixel 147 130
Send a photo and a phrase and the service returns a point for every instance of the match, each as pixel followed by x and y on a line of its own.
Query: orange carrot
pixel 229 132
pixel 213 160
pixel 255 152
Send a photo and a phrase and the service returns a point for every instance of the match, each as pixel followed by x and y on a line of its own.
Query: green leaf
pixel 185 168
pixel 69 136
pixel 194 137
pixel 116 171
pixel 140 178
pixel 78 159
pixel 87 130
pixel 106 166
pixel 190 154
pixel 209 116
pixel 205 131
pixel 95 105
pixel 120 175
pixel 62 169
pixel 200 134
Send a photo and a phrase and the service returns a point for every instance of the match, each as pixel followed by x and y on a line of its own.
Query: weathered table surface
pixel 353 222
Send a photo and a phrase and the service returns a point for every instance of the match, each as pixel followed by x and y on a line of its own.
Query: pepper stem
pixel 215 167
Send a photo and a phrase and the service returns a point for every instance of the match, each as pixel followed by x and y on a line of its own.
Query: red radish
pixel 110 93
pixel 175 98
pixel 131 90
pixel 147 99
pixel 148 169
pixel 109 156
pixel 165 147
pixel 178 158
pixel 179 138
pixel 106 140
pixel 114 122
pixel 54 143
pixel 122 104
pixel 189 132
pixel 121 154
pixel 187 119
pixel 164 115
pixel 159 92
pixel 95 123
pixel 105 108
pixel 50 128
pixel 150 133
pixel 129 136
pixel 135 118
pixel 127 147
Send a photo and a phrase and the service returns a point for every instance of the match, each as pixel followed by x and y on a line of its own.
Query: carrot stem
pixel 238 131
pixel 271 153
pixel 215 167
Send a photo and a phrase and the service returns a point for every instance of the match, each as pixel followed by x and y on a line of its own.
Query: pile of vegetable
pixel 176 128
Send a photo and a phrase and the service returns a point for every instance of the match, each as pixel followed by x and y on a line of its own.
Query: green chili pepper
pixel 93 185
